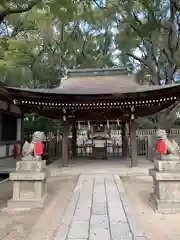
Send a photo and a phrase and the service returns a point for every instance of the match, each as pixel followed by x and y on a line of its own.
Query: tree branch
pixel 41 51
pixel 175 4
pixel 178 31
pixel 136 58
pixel 97 4
pixel 20 9
pixel 167 56
pixel 136 18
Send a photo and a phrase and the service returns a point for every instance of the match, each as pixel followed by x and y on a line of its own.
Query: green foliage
pixel 33 123
pixel 40 40
pixel 43 42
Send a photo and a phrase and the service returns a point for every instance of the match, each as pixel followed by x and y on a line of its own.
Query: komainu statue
pixel 164 146
pixel 33 150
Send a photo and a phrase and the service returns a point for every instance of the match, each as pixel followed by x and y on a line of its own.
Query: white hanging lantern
pixel 79 125
pixel 64 114
pixel 107 124
pixel 132 112
pixel 89 126
pixel 118 122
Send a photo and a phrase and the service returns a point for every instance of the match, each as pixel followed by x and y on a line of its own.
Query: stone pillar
pixel 124 140
pixel 0 125
pixel 166 181
pixel 65 132
pixel 74 139
pixel 133 144
pixel 19 128
pixel 29 185
pixel 22 131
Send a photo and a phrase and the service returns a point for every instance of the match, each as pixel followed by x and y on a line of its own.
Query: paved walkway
pixel 110 166
pixel 99 210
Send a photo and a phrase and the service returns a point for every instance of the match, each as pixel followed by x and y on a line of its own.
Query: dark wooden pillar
pixel 22 131
pixel 133 144
pixel 65 133
pixel 74 139
pixel 124 140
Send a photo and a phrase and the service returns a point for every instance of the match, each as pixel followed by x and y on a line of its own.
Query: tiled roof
pixel 94 82
pixel 98 85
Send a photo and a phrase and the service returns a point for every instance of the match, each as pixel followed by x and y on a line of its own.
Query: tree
pixel 153 45
pixel 8 7
pixel 39 45
pixel 154 30
pixel 43 43
pixel 34 123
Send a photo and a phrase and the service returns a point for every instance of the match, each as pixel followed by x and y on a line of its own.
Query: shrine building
pixel 95 95
pixel 11 132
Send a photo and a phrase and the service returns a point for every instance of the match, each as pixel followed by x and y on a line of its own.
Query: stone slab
pixel 62 231
pixel 82 214
pixel 120 231
pixel 28 175
pixel 79 229
pixel 164 176
pixel 167 190
pixel 31 165
pixel 119 184
pixel 164 206
pixel 26 204
pixel 99 234
pixel 115 208
pixel 165 166
pixel 99 208
pixel 134 226
pixel 140 238
pixel 99 212
pixel 99 227
pixel 99 222
pixel 168 157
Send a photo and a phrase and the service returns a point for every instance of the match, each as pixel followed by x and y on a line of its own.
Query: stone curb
pixel 57 173
pixel 4 180
pixel 66 221
pixel 135 228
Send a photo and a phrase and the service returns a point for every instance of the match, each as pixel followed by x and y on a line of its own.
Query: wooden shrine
pixel 96 94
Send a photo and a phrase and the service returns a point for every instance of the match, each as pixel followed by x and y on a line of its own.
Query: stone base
pixel 167 165
pixel 20 205
pixel 164 206
pixel 29 185
pixel 168 157
pixel 165 176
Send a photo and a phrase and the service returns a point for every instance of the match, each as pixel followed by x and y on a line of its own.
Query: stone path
pixel 99 209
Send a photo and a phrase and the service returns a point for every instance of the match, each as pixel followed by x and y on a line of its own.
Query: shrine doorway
pixel 97 140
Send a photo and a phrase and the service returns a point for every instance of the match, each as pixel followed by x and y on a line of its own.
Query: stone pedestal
pixel 166 182
pixel 29 185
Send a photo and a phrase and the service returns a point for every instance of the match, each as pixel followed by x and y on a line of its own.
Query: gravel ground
pixel 156 226
pixel 38 224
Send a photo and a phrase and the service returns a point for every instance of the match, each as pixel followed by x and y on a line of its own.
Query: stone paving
pixel 110 166
pixel 99 209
